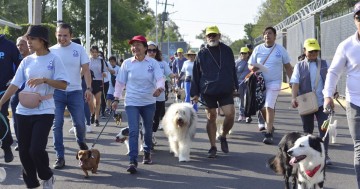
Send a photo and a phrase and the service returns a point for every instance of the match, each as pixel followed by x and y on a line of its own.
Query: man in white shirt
pixel 76 61
pixel 347 59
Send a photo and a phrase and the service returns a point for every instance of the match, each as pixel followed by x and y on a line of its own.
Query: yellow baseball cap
pixel 244 50
pixel 180 50
pixel 311 44
pixel 212 29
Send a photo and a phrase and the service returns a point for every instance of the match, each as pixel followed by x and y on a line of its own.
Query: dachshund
pixel 88 160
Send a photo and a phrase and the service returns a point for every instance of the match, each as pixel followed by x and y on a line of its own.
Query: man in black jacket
pixel 214 79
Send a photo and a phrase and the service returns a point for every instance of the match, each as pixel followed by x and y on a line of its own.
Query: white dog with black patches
pixel 309 154
pixel 179 125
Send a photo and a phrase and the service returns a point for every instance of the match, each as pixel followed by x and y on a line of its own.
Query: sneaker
pixel 59 163
pixel 147 158
pixel 83 146
pixel 132 167
pixel 8 155
pixel 16 148
pixel 248 120
pixel 268 138
pixel 72 130
pixel 261 127
pixel 88 129
pixel 49 184
pixel 92 119
pixel 328 160
pixel 212 152
pixel 224 145
pixel 97 124
pixel 240 118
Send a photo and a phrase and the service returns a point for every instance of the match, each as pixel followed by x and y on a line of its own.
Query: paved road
pixel 244 167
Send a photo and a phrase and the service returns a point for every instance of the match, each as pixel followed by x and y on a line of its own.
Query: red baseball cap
pixel 138 38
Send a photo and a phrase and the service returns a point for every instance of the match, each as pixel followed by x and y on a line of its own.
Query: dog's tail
pixel 274 163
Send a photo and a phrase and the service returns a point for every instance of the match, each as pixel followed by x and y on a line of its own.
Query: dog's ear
pixel 315 143
pixel 89 154
pixel 77 155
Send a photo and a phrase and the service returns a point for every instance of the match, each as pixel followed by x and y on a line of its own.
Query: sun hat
pixel 244 50
pixel 138 38
pixel 190 52
pixel 311 44
pixel 212 29
pixel 180 50
pixel 38 31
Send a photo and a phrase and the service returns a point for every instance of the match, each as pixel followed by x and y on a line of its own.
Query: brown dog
pixel 89 160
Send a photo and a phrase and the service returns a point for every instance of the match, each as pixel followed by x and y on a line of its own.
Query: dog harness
pixel 311 173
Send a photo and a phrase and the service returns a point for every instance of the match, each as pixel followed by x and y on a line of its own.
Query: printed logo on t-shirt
pixel 161 66
pixel 2 55
pixel 51 65
pixel 75 53
pixel 150 69
pixel 278 54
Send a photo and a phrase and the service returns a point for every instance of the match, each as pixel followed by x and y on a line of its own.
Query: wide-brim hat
pixel 311 45
pixel 38 31
pixel 138 38
pixel 190 52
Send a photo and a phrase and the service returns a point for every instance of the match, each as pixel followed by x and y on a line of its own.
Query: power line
pixel 198 21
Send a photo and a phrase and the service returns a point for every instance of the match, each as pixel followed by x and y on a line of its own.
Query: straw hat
pixel 190 52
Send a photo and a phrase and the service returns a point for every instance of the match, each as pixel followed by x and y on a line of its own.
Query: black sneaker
pixel 268 138
pixel 147 158
pixel 92 119
pixel 8 155
pixel 16 148
pixel 97 124
pixel 83 146
pixel 212 152
pixel 224 145
pixel 59 163
pixel 132 167
pixel 248 120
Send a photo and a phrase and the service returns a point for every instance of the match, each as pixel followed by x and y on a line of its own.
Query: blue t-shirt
pixel 49 66
pixel 140 80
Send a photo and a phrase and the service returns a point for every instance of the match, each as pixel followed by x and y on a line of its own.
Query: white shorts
pixel 272 92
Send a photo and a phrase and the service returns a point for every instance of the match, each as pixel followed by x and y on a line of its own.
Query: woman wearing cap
pixel 187 71
pixel 42 72
pixel 144 82
pixel 241 71
pixel 304 80
pixel 155 53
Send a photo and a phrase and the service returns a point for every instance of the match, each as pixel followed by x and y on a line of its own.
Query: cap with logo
pixel 311 44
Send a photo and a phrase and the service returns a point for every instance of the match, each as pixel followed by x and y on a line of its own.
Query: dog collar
pixel 311 173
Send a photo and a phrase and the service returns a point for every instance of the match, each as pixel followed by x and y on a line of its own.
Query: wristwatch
pixel 89 88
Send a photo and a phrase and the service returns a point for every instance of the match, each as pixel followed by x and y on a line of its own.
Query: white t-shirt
pixel 73 57
pixel 274 64
pixel 165 69
pixel 187 68
pixel 33 66
pixel 111 89
pixel 95 66
pixel 140 80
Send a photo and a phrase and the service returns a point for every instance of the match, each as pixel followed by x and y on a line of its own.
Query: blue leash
pixel 7 126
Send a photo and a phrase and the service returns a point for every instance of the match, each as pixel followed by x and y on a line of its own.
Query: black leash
pixel 107 121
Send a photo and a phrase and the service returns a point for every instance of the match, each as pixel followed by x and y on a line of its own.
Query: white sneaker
pixel 72 130
pixel 49 184
pixel 88 129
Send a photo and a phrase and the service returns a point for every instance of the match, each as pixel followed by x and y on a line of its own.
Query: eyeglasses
pixel 314 51
pixel 152 50
pixel 211 35
pixel 357 18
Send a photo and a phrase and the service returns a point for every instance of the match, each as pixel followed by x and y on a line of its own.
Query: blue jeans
pixel 187 95
pixel 75 104
pixel 133 113
pixel 86 105
pixel 353 117
pixel 308 125
pixel 241 104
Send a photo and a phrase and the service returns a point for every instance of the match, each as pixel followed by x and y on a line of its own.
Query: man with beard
pixel 214 78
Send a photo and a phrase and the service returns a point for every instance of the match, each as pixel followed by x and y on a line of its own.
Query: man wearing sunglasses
pixel 214 78
pixel 347 58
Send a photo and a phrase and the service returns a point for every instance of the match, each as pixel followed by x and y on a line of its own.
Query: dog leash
pixel 107 121
pixel 6 125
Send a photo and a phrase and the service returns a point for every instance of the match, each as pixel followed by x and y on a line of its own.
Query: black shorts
pixel 216 101
pixel 97 86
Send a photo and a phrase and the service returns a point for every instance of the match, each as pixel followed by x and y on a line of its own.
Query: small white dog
pixel 179 125
pixel 123 137
pixel 308 153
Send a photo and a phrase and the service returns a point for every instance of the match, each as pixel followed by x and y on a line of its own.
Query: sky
pixel 192 16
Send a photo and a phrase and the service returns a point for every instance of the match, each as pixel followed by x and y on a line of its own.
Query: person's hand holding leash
pixel 157 92
pixel 195 99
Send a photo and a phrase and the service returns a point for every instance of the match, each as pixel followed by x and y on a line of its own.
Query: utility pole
pixel 164 17
pixel 37 12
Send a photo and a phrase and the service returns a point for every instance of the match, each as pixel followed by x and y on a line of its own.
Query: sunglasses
pixel 243 53
pixel 211 35
pixel 314 51
pixel 152 50
pixel 357 18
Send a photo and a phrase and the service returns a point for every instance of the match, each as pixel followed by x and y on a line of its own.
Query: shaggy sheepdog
pixel 179 125
pixel 303 158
